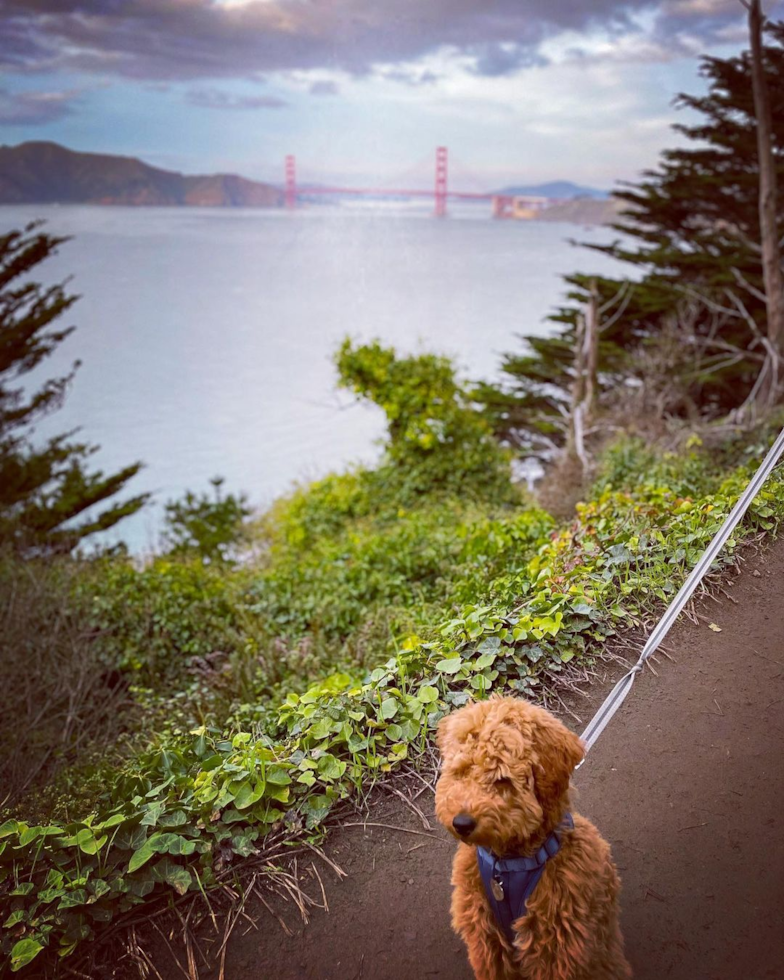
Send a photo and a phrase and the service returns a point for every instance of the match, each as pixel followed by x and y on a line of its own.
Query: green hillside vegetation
pixel 383 598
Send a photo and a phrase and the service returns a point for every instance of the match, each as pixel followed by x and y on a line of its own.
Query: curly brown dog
pixel 504 788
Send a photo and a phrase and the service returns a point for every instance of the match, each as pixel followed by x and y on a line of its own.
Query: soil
pixel 687 784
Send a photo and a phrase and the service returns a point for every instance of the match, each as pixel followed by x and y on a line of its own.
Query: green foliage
pixel 152 620
pixel 44 491
pixel 437 442
pixel 179 814
pixel 208 526
pixel 686 328
pixel 404 566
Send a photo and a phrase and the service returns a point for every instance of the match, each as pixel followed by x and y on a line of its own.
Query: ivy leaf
pixel 389 708
pixel 24 889
pixel 173 874
pixel 8 828
pixel 247 795
pixel 492 644
pixel 175 819
pixel 331 768
pixel 427 694
pixel 449 665
pixel 88 842
pixel 141 856
pixel 278 775
pixel 24 952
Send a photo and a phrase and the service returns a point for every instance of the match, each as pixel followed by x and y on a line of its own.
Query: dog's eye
pixel 504 783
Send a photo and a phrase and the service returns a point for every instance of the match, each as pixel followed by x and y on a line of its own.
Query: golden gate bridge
pixel 504 205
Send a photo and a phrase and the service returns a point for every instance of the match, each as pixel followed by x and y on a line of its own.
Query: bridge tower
pixel 291 182
pixel 441 171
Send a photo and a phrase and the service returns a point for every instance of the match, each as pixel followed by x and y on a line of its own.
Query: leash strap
pixel 616 697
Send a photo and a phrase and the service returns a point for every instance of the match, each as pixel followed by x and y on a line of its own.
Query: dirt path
pixel 687 784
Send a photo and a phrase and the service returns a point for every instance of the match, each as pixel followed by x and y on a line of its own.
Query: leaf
pixel 243 846
pixel 492 644
pixel 173 874
pixel 141 856
pixel 16 916
pixel 583 609
pixel 24 889
pixel 714 627
pixel 278 775
pixel 177 818
pixel 331 768
pixel 450 665
pixel 389 708
pixel 88 842
pixel 322 728
pixel 427 694
pixel 484 661
pixel 150 818
pixel 24 952
pixel 247 795
pixel 8 828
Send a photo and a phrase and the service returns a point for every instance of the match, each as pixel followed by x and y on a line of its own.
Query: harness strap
pixel 509 882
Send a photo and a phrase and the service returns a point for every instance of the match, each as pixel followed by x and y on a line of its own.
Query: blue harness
pixel 510 882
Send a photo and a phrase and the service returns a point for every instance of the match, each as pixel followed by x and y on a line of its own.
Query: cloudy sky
pixel 361 90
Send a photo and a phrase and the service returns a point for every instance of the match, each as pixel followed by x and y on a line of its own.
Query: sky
pixel 362 91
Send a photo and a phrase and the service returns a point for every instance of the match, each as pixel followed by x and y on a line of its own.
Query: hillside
pixel 554 188
pixel 583 211
pixel 47 173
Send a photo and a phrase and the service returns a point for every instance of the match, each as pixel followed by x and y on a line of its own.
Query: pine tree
pixel 691 233
pixel 48 498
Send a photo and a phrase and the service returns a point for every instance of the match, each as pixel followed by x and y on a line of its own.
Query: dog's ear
pixel 558 751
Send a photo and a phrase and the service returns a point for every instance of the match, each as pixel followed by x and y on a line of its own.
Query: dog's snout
pixel 464 824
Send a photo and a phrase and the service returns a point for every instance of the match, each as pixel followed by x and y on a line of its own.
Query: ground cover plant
pixel 525 600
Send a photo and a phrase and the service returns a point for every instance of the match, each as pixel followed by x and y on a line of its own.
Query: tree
pixel 689 331
pixel 771 251
pixel 210 527
pixel 47 495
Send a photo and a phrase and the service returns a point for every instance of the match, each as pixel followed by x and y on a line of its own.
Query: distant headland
pixel 47 173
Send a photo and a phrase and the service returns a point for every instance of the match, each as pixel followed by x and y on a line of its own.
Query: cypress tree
pixel 48 497
pixel 691 234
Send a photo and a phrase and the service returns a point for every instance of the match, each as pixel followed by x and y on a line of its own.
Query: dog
pixel 503 793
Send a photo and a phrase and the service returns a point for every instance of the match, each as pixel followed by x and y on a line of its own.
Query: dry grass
pixel 57 697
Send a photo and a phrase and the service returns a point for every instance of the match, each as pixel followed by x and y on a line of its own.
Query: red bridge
pixel 502 206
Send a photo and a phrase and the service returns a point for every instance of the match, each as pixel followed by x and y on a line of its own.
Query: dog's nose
pixel 464 824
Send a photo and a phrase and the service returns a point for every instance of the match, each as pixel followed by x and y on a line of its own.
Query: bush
pixel 210 527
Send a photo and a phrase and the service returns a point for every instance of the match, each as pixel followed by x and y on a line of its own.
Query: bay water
pixel 206 336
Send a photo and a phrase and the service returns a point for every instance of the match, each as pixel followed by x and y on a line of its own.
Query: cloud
pixel 202 39
pixel 216 99
pixel 324 88
pixel 35 108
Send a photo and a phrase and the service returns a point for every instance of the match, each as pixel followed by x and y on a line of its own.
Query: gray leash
pixel 616 697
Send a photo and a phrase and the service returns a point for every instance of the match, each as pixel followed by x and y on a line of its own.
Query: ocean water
pixel 206 336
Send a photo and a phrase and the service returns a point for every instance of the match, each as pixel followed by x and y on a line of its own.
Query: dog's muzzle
pixel 464 824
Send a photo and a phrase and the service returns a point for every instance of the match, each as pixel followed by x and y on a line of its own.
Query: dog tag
pixel 497 889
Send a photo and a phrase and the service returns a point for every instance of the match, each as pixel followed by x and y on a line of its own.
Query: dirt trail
pixel 687 783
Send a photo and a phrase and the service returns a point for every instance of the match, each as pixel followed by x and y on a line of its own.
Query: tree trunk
pixel 585 373
pixel 771 255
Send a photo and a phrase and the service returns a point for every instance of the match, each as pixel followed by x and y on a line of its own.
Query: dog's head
pixel 505 775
